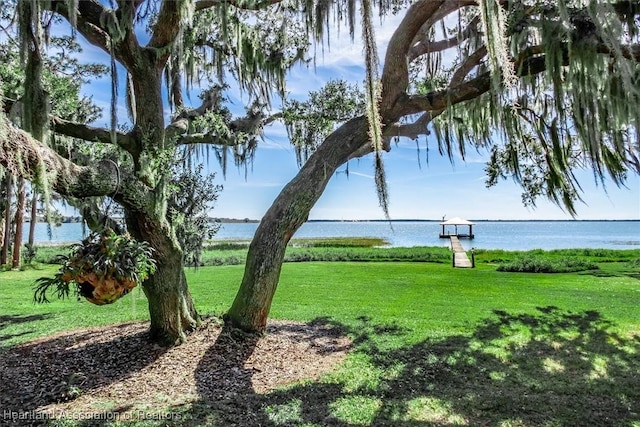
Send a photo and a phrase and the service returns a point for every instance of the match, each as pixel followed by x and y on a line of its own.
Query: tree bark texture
pixel 19 222
pixel 33 216
pixel 171 307
pixel 287 213
pixel 6 242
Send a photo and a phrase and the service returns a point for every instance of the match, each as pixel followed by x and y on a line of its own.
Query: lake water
pixel 508 235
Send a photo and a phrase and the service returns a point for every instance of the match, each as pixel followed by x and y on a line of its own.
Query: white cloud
pixel 364 175
pixel 344 52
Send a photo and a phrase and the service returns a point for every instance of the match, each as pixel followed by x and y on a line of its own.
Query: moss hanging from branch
pixel 35 102
pixel 580 109
pixel 131 99
pixel 114 95
pixel 494 28
pixel 2 121
pixel 373 103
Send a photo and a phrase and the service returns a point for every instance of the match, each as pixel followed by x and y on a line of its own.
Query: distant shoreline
pixel 503 234
pixel 474 220
pixel 77 219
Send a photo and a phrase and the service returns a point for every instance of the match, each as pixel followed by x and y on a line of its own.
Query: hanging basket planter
pixel 103 290
pixel 102 268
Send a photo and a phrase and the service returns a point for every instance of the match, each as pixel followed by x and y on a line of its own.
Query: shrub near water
pixel 499 256
pixel 363 249
pixel 530 263
pixel 415 254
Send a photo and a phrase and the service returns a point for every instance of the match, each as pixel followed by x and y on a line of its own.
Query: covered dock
pixel 448 231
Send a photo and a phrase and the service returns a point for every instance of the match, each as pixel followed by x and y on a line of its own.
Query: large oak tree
pixel 154 46
pixel 547 86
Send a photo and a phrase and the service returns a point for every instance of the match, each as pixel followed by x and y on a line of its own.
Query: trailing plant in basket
pixel 101 268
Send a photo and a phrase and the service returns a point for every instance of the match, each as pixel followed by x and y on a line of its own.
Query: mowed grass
pixel 429 299
pixel 433 345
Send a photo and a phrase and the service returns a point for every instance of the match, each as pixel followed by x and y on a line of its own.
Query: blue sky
pixel 417 190
pixel 426 192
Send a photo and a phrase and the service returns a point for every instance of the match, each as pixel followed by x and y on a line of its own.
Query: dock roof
pixel 457 221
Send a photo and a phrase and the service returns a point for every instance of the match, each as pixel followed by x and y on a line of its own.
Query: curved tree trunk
pixel 171 308
pixel 287 213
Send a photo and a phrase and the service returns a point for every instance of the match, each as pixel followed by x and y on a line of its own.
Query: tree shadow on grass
pixel 10 319
pixel 549 367
pixel 552 367
pixel 13 319
pixel 51 370
pixel 630 273
pixel 630 269
pixel 224 381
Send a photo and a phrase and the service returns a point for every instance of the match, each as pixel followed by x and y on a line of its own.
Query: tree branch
pixel 395 76
pixel 442 99
pixel 240 4
pixel 212 99
pixel 426 46
pixel 90 20
pixel 469 64
pixel 27 157
pixel 87 19
pixel 206 138
pixel 90 133
pixel 452 5
pixel 531 61
pixel 247 125
pixel 631 52
pixel 167 25
pixel 251 124
pixel 412 130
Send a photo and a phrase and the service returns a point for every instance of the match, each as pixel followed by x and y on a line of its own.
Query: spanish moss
pixel 581 111
pixel 372 83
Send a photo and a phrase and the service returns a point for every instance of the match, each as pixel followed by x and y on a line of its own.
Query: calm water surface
pixel 508 235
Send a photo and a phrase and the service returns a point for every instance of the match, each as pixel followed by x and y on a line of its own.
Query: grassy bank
pixel 301 250
pixel 433 345
pixel 234 252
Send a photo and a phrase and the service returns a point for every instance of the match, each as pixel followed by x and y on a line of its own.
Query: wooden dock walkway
pixel 460 258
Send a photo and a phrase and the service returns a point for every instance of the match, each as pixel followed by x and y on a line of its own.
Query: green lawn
pixel 430 299
pixel 433 345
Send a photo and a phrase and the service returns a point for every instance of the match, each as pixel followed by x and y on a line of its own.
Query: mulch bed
pixel 116 367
